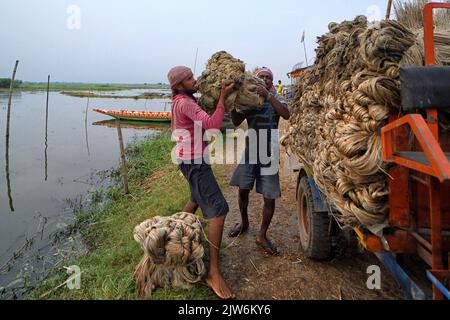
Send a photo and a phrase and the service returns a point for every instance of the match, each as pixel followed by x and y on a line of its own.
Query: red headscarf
pixel 267 72
pixel 178 74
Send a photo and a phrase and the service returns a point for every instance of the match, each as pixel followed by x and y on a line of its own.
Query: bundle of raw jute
pixel 173 253
pixel 223 66
pixel 339 107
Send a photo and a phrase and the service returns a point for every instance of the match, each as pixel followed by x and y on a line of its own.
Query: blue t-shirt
pixel 262 121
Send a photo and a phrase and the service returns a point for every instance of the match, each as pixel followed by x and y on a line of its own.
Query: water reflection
pixel 46 133
pixel 133 125
pixel 77 159
pixel 86 127
pixel 8 179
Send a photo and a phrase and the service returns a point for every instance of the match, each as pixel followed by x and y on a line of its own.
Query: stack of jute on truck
pixel 347 96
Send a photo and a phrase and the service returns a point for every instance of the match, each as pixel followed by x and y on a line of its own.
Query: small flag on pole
pixel 303 37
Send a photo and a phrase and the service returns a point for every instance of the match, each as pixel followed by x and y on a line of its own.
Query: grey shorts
pixel 205 190
pixel 246 175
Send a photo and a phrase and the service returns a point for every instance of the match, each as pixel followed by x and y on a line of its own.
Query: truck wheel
pixel 313 226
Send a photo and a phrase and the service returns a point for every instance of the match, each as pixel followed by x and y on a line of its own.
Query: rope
pixel 173 253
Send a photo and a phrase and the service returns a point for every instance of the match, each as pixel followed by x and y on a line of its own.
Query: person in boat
pixel 188 117
pixel 263 122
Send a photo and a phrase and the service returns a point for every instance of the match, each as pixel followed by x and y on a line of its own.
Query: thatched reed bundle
pixel 173 253
pixel 410 14
pixel 223 66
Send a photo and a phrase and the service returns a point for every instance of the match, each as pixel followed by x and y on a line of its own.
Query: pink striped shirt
pixel 187 118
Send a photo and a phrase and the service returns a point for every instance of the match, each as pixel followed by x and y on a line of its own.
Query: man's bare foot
pixel 238 230
pixel 220 287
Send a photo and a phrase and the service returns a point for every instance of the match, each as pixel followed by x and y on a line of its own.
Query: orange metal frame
pixel 419 198
pixel 439 165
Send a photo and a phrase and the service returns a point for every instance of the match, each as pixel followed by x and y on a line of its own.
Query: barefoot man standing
pixel 189 125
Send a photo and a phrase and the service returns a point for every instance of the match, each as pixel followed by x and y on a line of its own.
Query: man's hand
pixel 262 91
pixel 226 90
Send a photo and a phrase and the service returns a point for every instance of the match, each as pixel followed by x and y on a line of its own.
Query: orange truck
pixel 419 202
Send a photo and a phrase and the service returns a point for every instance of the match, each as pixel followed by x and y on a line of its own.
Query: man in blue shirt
pixel 263 122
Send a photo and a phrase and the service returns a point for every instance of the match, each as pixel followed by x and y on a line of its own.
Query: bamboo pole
pixel 388 10
pixel 195 63
pixel 86 126
pixel 123 159
pixel 306 55
pixel 46 128
pixel 8 118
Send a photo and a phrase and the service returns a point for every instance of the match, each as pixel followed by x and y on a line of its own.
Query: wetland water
pixel 50 172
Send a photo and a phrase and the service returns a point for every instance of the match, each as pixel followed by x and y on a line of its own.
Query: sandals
pixel 237 231
pixel 269 247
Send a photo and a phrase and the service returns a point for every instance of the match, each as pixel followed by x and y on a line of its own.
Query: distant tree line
pixel 6 83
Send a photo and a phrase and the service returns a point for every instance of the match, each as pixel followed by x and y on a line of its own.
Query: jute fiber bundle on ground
pixel 340 105
pixel 173 253
pixel 223 66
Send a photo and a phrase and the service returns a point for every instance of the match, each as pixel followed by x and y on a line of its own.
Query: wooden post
pixel 389 9
pixel 46 105
pixel 123 159
pixel 46 127
pixel 86 127
pixel 306 55
pixel 8 117
pixel 195 63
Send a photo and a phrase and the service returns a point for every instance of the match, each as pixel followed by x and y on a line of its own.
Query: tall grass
pixel 107 269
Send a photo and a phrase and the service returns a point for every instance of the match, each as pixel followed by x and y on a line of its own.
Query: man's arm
pixel 279 107
pixel 196 114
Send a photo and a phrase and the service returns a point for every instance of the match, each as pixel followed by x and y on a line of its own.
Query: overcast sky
pixel 137 41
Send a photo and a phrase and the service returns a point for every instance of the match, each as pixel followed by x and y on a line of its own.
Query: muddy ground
pixel 252 274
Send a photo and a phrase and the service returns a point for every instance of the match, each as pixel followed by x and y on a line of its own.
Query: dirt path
pixel 252 274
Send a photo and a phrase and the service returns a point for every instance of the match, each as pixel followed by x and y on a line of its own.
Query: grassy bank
pixel 107 269
pixel 85 87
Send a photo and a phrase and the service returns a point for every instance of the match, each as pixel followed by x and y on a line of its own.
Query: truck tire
pixel 314 227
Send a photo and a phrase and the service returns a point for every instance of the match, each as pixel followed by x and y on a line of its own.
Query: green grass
pixel 86 87
pixel 107 269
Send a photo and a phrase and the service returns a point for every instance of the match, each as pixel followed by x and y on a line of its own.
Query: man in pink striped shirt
pixel 189 123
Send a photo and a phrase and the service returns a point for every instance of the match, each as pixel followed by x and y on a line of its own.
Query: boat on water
pixel 145 116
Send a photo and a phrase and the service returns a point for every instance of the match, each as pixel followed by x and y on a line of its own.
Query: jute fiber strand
pixel 223 66
pixel 173 253
pixel 340 105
